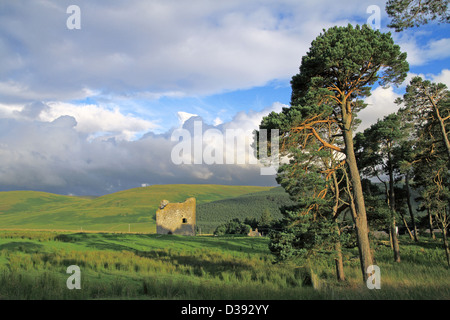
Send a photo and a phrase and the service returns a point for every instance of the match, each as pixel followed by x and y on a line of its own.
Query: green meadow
pixel 43 234
pixel 33 265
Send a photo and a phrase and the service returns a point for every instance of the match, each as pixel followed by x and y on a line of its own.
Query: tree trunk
pixel 339 262
pixel 408 200
pixel 447 251
pixel 395 244
pixel 407 227
pixel 430 222
pixel 362 232
pixel 396 247
pixel 443 130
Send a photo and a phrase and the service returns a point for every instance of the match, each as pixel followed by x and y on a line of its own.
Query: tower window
pixel 184 220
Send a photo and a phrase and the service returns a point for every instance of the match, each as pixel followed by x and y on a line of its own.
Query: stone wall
pixel 176 218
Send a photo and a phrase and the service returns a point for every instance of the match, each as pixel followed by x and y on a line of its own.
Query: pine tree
pixel 341 66
pixel 426 102
pixel 375 154
pixel 413 13
pixel 431 164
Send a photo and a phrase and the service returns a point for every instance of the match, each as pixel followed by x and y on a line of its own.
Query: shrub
pixel 234 226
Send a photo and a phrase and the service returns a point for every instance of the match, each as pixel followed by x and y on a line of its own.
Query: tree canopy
pixel 414 13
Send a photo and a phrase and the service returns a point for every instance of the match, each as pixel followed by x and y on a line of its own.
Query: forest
pixel 247 208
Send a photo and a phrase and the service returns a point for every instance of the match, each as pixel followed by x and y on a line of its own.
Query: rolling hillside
pixel 252 205
pixel 132 209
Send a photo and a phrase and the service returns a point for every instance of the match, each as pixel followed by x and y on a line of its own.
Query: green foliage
pixel 375 146
pixel 341 66
pixel 245 208
pixel 309 226
pixel 379 214
pixel 306 237
pixel 414 13
pixel 266 222
pixel 353 59
pixel 428 106
pixel 380 151
pixel 232 227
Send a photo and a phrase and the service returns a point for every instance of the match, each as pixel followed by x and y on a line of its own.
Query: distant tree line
pixel 248 209
pixel 264 224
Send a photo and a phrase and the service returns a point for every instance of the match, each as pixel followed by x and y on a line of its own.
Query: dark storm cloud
pixel 56 157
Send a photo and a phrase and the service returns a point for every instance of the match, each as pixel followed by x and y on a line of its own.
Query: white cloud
pixel 183 116
pixel 420 54
pixel 129 52
pixel 158 48
pixel 443 77
pixel 438 49
pixel 95 119
pixel 92 120
pixel 8 110
pixel 380 104
pixel 42 153
pixel 217 121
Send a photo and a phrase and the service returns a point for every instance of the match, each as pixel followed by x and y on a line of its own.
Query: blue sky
pixel 75 105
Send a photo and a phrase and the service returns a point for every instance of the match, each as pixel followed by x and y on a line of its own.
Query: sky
pixel 91 110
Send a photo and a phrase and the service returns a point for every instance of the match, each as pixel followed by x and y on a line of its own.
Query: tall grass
pixel 33 266
pixel 166 273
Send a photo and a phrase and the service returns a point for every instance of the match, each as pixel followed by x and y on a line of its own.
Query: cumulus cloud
pixel 379 104
pixel 183 116
pixel 381 101
pixel 32 110
pixel 110 122
pixel 53 155
pixel 96 121
pixel 423 51
pixel 157 48
pixel 442 77
pixel 129 52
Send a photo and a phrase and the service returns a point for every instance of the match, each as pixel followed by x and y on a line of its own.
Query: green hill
pixel 252 205
pixel 134 208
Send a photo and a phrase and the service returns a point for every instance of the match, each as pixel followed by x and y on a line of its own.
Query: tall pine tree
pixel 339 70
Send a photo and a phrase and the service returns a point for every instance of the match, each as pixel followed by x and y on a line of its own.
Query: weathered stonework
pixel 176 218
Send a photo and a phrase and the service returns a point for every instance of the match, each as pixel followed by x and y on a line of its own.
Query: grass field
pixel 41 238
pixel 129 210
pixel 33 265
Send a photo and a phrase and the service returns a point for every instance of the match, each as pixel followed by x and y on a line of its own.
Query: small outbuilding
pixel 176 218
pixel 255 233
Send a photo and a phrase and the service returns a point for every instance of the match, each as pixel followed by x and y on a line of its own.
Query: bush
pixel 234 226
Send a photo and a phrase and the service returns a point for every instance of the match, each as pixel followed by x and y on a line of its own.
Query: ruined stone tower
pixel 176 218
